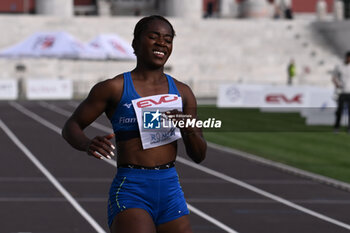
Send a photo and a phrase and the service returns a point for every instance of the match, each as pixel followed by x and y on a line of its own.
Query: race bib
pixel 155 130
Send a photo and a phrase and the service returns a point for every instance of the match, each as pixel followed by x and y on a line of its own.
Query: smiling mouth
pixel 159 53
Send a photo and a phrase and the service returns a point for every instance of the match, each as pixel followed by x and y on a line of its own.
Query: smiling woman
pixel 145 196
pixel 145 37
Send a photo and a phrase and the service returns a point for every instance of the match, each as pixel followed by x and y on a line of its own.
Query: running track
pixel 46 186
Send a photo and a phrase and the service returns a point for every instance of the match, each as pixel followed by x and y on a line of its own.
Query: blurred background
pixel 218 41
pixel 262 67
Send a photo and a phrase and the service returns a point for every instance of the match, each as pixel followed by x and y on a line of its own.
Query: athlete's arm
pixel 336 79
pixel 194 141
pixel 87 112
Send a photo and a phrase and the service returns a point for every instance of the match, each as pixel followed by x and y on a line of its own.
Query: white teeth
pixel 157 52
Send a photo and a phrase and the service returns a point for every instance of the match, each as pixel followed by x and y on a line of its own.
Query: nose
pixel 160 41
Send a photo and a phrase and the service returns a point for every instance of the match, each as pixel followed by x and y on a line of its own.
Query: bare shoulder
pixel 108 88
pixel 111 84
pixel 182 87
pixel 185 92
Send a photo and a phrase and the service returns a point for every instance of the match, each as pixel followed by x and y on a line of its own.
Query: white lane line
pixel 66 113
pixel 51 178
pixel 73 104
pixel 46 123
pixel 49 199
pixel 210 219
pixel 36 117
pixel 262 192
pixel 192 200
pixel 64 179
pixel 283 167
pixel 265 200
pixel 113 163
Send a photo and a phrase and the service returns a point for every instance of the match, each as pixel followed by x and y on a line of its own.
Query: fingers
pixel 171 114
pixel 101 147
pixel 110 136
pixel 96 155
pixel 106 141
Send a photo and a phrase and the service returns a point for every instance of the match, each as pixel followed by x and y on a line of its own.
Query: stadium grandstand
pixel 226 41
pixel 266 75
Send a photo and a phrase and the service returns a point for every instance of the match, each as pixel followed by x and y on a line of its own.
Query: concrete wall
pixel 337 35
pixel 182 8
pixel 18 6
pixel 206 52
pixel 61 8
pixel 144 7
pixel 309 6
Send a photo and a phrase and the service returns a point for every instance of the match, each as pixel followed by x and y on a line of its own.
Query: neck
pixel 147 73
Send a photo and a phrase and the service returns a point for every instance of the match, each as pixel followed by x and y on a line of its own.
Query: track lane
pixel 202 224
pixel 265 211
pixel 303 189
pixel 22 186
pixel 319 197
pixel 25 189
pixel 61 161
pixel 247 170
pixel 271 173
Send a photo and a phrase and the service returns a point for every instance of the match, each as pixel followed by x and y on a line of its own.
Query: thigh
pixel 180 225
pixel 133 221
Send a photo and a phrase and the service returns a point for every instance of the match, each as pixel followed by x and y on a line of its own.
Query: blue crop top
pixel 124 118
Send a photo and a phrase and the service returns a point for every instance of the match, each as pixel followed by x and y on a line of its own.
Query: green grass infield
pixel 282 137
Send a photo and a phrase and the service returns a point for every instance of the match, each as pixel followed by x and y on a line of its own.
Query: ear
pixel 133 45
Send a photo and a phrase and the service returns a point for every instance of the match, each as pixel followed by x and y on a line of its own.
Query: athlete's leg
pixel 133 221
pixel 180 225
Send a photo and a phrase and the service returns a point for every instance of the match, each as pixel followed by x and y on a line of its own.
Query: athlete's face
pixel 155 44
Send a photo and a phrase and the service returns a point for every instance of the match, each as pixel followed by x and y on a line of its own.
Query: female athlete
pixel 145 196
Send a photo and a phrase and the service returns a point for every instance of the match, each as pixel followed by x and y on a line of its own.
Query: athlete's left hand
pixel 100 147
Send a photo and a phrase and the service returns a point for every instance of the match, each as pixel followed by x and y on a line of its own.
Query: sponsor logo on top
pixel 151 102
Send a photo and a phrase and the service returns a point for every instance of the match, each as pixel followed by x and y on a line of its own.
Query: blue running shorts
pixel 156 191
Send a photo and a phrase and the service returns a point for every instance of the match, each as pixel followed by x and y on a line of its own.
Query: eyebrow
pixel 159 34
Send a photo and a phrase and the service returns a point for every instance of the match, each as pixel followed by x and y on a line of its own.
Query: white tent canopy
pixel 55 45
pixel 114 46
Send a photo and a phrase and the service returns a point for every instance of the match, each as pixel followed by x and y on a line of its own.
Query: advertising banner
pixel 8 89
pixel 316 104
pixel 274 97
pixel 240 96
pixel 49 89
pixel 284 98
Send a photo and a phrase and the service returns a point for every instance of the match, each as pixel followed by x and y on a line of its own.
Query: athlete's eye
pixel 152 36
pixel 168 39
